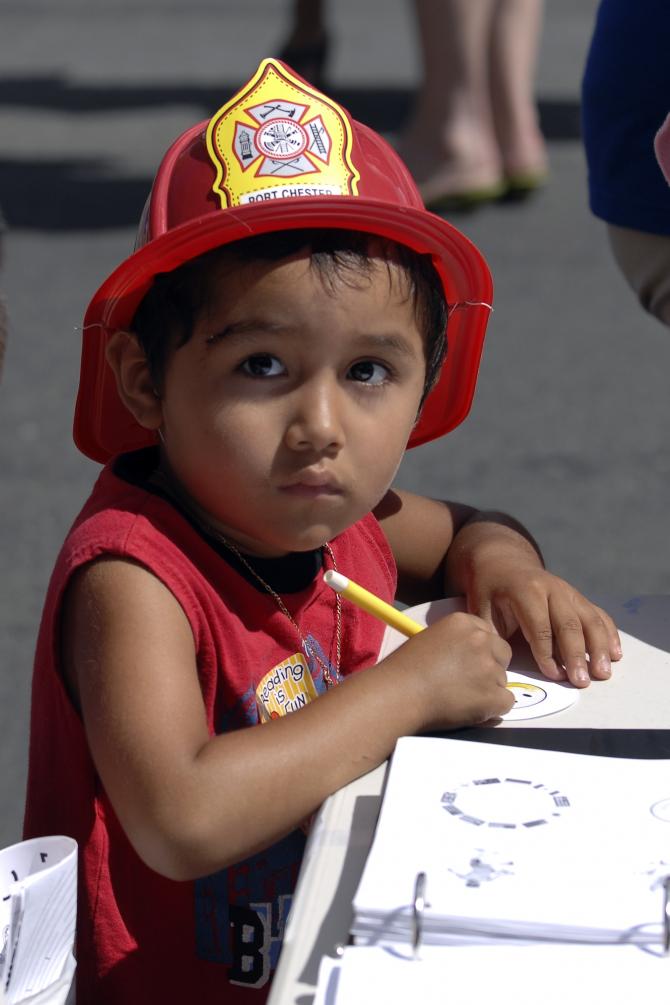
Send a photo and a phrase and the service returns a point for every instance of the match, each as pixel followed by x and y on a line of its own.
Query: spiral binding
pixel 419 907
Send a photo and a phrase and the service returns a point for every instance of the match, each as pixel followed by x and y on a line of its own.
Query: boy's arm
pixel 420 532
pixel 491 559
pixel 191 803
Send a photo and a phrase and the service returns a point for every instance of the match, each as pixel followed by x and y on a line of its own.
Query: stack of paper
pixel 517 844
pixel 38 909
pixel 518 975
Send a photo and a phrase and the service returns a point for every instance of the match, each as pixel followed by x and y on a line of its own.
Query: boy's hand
pixel 457 671
pixel 561 626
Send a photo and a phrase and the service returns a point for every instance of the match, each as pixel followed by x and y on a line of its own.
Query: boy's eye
pixel 262 364
pixel 369 372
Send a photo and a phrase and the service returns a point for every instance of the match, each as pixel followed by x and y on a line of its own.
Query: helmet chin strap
pixel 468 303
pixel 159 430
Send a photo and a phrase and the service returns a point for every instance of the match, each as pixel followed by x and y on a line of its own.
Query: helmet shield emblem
pixel 279 138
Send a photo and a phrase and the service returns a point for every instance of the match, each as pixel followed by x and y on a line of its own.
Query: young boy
pixel 252 376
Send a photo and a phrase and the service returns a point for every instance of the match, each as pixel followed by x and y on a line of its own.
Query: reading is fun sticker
pixel 279 138
pixel 286 688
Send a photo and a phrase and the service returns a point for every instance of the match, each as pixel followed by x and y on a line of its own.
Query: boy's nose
pixel 316 419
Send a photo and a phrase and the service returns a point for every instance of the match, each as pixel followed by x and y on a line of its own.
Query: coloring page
pixel 514 841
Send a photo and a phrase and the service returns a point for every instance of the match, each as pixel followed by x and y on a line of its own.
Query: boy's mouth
pixel 311 483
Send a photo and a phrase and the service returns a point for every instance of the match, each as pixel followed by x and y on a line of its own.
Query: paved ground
pixel 570 425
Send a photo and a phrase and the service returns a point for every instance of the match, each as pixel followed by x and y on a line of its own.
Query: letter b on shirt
pixel 250 953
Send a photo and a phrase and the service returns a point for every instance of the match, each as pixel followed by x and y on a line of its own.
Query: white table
pixel 637 697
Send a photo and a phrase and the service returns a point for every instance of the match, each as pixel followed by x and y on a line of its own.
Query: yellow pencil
pixel 373 605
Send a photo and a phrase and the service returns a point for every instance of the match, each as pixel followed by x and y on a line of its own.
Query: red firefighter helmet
pixel 279 156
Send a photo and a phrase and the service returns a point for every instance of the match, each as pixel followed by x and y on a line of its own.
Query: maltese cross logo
pixel 285 145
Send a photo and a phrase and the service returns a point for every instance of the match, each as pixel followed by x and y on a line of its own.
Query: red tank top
pixel 140 937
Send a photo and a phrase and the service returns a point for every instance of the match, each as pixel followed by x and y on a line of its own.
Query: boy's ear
pixel 133 379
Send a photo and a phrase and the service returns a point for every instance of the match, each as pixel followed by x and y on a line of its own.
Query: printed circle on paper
pixel 505 803
pixel 526 695
pixel 661 810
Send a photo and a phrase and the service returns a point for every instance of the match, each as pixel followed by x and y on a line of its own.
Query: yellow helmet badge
pixel 279 138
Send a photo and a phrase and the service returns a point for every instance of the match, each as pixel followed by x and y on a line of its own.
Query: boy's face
pixel 286 414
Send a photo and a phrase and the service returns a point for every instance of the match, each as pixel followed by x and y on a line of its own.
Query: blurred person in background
pixel 3 305
pixel 474 133
pixel 625 98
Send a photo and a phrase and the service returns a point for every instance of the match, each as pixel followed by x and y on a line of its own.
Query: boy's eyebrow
pixel 396 343
pixel 249 325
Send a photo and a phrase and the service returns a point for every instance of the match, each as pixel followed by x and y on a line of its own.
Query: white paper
pixel 518 975
pixel 38 886
pixel 534 695
pixel 517 843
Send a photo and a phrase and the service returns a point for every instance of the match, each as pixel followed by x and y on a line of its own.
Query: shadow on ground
pixel 87 194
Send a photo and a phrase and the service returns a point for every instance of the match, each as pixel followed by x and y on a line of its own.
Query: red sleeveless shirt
pixel 142 938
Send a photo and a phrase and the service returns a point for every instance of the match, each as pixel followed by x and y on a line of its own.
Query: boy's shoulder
pixel 123 516
pixel 118 496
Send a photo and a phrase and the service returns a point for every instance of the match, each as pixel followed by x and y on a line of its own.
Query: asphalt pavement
pixel 569 430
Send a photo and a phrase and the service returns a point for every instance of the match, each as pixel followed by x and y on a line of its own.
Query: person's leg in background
pixel 475 120
pixel 514 41
pixel 450 144
pixel 306 46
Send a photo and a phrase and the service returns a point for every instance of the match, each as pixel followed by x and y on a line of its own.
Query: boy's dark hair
pixel 169 311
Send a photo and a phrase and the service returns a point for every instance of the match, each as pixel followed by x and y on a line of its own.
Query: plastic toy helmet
pixel 279 156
